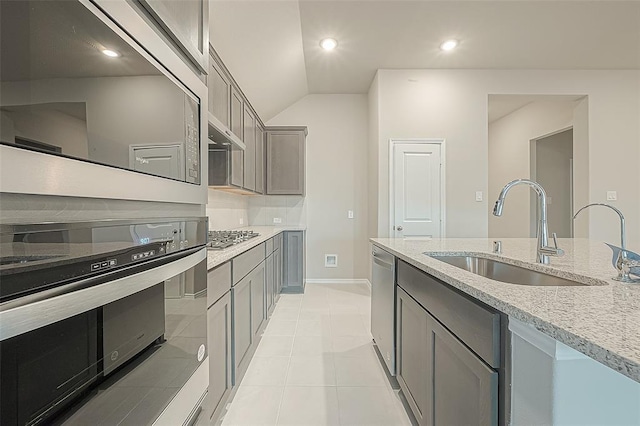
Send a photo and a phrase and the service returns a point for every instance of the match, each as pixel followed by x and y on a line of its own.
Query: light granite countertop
pixel 601 319
pixel 218 257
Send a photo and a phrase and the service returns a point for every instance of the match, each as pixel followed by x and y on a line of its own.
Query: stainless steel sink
pixel 504 272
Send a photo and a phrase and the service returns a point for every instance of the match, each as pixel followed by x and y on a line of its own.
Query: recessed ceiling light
pixel 111 53
pixel 328 43
pixel 449 45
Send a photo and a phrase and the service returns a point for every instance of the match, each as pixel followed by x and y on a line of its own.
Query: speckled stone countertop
pixel 601 319
pixel 218 257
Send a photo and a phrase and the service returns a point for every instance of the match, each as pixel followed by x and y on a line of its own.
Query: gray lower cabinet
pixel 242 329
pixel 220 362
pixel 285 160
pixel 465 390
pixel 257 299
pixel 413 355
pixel 446 378
pixel 277 260
pixel 293 262
pixel 270 283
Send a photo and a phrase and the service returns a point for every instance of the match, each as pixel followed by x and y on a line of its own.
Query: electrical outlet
pixel 549 199
pixel 612 195
pixel 350 214
pixel 277 220
pixel 478 195
pixel 241 221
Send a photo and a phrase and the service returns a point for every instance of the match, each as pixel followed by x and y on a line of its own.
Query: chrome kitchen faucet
pixel 543 251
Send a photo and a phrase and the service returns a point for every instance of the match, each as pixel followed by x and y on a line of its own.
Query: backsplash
pixel 291 210
pixel 227 210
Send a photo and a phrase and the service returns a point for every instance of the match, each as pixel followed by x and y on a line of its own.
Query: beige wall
pixel 452 104
pixel 336 181
pixel 553 158
pixel 509 158
pixel 226 210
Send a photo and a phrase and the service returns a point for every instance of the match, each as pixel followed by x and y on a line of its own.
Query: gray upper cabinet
pixel 186 23
pixel 285 152
pixel 219 92
pixel 250 150
pixel 237 113
pixel 259 158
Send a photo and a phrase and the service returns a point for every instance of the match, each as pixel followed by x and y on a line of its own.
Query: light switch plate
pixel 277 220
pixel 350 214
pixel 612 195
pixel 478 195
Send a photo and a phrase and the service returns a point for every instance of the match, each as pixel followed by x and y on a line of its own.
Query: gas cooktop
pixel 219 240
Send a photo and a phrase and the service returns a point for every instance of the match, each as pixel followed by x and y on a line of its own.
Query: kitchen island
pixel 572 326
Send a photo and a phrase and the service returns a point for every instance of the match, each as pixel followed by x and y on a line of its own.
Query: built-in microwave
pixel 71 86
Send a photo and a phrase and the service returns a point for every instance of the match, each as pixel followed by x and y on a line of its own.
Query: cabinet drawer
pixel 269 245
pixel 476 325
pixel 247 261
pixel 218 282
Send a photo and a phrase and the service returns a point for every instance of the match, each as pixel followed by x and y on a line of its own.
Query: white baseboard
pixel 338 281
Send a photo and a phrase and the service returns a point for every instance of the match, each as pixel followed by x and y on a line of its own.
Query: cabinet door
pixel 250 150
pixel 412 357
pixel 219 92
pixel 237 167
pixel 242 330
pixel 236 113
pixel 465 390
pixel 219 344
pixel 270 279
pixel 257 299
pixel 293 262
pixel 285 162
pixel 259 159
pixel 277 263
pixel 186 23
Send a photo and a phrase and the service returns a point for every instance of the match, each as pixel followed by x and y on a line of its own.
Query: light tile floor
pixel 316 365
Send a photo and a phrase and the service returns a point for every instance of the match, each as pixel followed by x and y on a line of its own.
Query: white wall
pixel 290 209
pixel 509 151
pixel 226 210
pixel 452 104
pixel 336 181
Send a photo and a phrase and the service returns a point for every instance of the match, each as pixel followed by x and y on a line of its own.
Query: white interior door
pixel 417 202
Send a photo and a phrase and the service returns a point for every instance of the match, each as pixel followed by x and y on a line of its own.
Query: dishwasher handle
pixel 382 263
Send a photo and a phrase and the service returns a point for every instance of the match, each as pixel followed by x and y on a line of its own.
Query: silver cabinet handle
pixel 399 228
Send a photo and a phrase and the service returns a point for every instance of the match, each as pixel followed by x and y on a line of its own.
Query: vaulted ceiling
pixel 272 46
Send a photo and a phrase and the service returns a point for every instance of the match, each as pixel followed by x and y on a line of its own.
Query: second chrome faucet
pixel 543 249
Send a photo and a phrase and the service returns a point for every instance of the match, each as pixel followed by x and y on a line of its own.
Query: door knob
pixel 399 228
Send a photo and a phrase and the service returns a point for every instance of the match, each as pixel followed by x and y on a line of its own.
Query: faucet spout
pixel 544 251
pixel 623 237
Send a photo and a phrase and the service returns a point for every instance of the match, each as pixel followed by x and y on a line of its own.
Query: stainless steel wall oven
pixel 79 300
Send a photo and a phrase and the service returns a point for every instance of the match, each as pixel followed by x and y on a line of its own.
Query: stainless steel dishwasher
pixel 383 302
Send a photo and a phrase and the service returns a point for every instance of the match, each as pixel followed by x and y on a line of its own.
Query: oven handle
pixel 40 309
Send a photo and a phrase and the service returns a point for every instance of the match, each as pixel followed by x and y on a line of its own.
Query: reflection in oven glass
pixel 139 390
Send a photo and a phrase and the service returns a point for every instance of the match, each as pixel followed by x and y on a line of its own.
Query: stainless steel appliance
pixel 73 87
pixel 383 303
pixel 220 240
pixel 77 300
